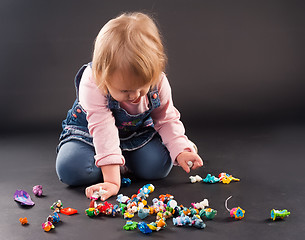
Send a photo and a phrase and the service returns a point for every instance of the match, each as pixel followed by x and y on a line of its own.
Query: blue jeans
pixel 75 163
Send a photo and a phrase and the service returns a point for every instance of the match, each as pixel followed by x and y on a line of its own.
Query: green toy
pixel 130 225
pixel 279 214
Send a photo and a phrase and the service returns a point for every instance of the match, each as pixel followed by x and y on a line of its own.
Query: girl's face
pixel 125 87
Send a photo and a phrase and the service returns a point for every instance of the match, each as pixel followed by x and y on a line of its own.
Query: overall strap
pixel 78 77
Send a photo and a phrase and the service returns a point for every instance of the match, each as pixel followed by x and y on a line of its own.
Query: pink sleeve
pixel 167 123
pixel 101 123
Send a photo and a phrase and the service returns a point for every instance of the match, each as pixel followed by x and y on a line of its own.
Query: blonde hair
pixel 129 42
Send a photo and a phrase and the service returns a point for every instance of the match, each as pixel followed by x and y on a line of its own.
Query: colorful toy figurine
pixel 181 220
pixel 195 179
pixel 202 204
pixel 55 218
pixel 143 213
pixel 57 206
pixel 47 226
pixel 279 214
pixel 227 178
pixel 92 212
pixel 125 182
pixel 97 194
pixel 237 212
pixel 68 211
pixel 23 221
pixel 23 198
pixel 122 199
pixel 210 179
pixel 37 190
pixel 209 213
pixel 144 228
pixel 130 225
pixel 197 222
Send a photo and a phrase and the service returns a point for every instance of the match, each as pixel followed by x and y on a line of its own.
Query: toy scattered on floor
pixel 47 226
pixel 222 177
pixel 130 225
pixel 125 182
pixel 227 178
pixel 57 206
pixel 279 214
pixel 237 212
pixel 209 213
pixel 68 211
pixel 23 221
pixel 202 204
pixel 144 228
pixel 55 218
pixel 195 179
pixel 37 190
pixel 23 198
pixel 97 194
pixel 210 179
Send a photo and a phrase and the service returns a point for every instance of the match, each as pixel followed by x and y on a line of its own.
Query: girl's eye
pixel 124 91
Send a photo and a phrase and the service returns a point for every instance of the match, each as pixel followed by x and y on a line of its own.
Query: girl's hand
pixel 185 157
pixel 111 188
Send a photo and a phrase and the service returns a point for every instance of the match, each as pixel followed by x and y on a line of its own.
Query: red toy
pixel 68 211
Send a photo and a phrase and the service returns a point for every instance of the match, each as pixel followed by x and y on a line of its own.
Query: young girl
pixel 123 116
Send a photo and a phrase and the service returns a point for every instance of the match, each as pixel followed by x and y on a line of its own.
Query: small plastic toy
pixel 37 190
pixel 68 211
pixel 279 214
pixel 210 179
pixel 47 226
pixel 202 204
pixel 209 213
pixel 125 182
pixel 195 179
pixel 97 194
pixel 143 213
pixel 57 206
pixel 197 222
pixel 23 221
pixel 55 218
pixel 237 212
pixel 23 198
pixel 227 178
pixel 122 199
pixel 130 225
pixel 190 164
pixel 181 220
pixel 92 212
pixel 144 228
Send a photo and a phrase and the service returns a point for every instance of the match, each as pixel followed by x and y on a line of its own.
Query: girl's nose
pixel 134 96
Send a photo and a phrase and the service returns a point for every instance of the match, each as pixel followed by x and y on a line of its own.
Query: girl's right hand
pixel 111 188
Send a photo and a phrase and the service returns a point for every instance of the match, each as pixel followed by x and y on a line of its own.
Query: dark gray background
pixel 237 75
pixel 229 61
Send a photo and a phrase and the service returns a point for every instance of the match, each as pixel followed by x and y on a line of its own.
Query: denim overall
pixel 134 130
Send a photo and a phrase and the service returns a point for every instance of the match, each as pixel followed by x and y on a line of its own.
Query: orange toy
pixel 23 221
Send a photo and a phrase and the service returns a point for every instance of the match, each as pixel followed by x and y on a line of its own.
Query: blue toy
pixel 143 213
pixel 143 227
pixel 210 179
pixel 125 182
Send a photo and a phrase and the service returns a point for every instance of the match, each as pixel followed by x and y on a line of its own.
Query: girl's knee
pixel 75 164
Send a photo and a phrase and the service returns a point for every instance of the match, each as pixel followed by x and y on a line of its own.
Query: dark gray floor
pixel 269 160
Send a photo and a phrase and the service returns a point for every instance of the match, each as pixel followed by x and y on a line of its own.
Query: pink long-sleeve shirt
pixel 101 122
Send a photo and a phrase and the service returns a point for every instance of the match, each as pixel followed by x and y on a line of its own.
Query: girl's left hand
pixel 185 157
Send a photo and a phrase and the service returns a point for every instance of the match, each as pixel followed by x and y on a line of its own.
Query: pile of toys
pixel 164 207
